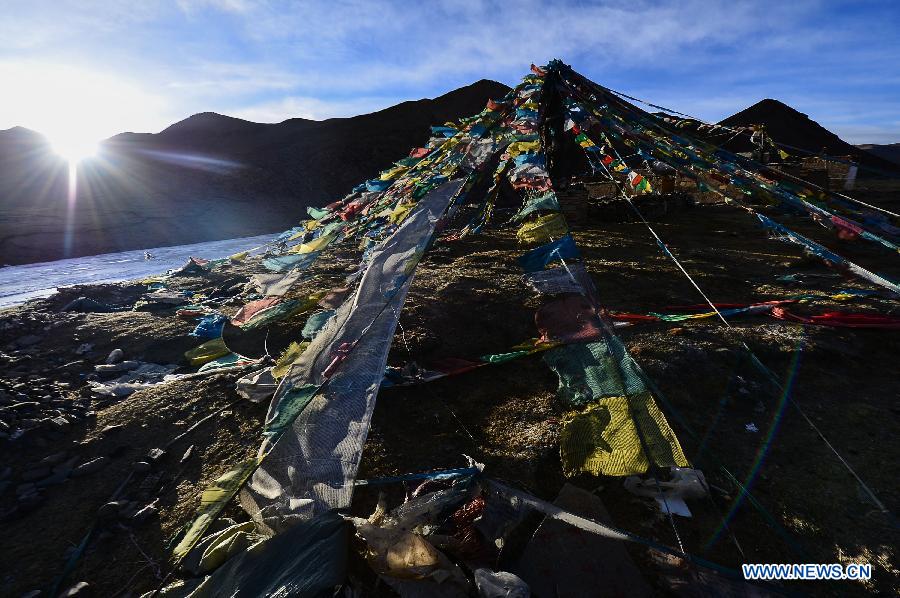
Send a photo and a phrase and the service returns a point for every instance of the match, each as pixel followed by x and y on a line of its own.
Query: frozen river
pixel 21 283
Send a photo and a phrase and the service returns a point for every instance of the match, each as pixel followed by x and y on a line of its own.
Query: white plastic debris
pixel 500 584
pixel 686 483
pixel 751 427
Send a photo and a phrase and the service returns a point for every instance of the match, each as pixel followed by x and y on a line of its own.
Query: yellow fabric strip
pixel 542 229
pixel 523 147
pixel 207 352
pixel 287 359
pixel 213 500
pixel 314 245
pixel 602 439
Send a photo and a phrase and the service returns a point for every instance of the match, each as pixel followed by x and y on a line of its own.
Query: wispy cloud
pixel 320 58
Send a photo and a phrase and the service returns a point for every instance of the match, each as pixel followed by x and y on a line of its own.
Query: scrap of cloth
pixel 543 202
pixel 275 285
pixel 310 468
pixel 543 229
pixel 537 259
pixel 283 263
pixel 618 436
pixel 246 313
pixel 841 320
pixel 570 319
pixel 616 428
pixel 556 281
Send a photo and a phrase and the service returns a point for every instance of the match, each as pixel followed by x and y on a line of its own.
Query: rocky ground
pixel 126 473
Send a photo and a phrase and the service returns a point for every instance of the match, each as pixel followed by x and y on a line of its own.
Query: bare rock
pixel 92 466
pixel 82 589
pixel 115 356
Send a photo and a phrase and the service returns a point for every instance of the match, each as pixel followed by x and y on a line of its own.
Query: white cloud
pixel 309 108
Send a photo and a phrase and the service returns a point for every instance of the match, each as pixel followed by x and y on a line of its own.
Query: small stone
pixel 35 474
pixel 146 512
pixel 84 348
pixel 111 509
pixel 53 480
pixel 111 429
pixel 58 423
pixel 30 501
pixel 115 356
pixel 141 467
pixel 68 466
pixel 92 466
pixel 187 453
pixel 81 589
pixel 28 340
pixel 155 454
pixel 54 459
pixel 27 488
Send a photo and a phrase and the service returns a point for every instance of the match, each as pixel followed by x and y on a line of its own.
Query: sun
pixel 73 148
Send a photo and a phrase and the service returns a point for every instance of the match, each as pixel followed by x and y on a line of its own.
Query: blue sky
pixel 99 67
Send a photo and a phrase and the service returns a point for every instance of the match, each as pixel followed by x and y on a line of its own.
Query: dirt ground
pixel 468 300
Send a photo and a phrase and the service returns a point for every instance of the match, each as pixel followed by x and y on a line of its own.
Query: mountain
pixel 204 178
pixel 790 127
pixel 890 151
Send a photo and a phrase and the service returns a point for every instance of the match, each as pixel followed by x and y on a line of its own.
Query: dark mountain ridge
pixel 792 127
pixel 206 177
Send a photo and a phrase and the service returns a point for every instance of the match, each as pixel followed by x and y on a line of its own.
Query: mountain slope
pixel 791 127
pixel 203 178
pixel 890 151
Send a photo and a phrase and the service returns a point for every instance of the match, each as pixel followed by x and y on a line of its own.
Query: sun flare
pixel 73 148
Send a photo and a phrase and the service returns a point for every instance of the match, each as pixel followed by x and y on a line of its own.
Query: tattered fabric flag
pixel 229 361
pixel 283 263
pixel 210 326
pixel 213 500
pixel 543 229
pixel 314 246
pixel 248 311
pixel 640 184
pixel 609 437
pixel 289 356
pixel 543 202
pixel 556 281
pixel 537 259
pixel 207 352
pixel 275 285
pixel 377 185
pixel 569 319
pixel 317 213
pixel 315 323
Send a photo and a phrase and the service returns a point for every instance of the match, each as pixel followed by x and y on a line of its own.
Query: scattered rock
pixel 123 366
pixel 35 474
pixel 54 459
pixel 84 348
pixel 92 466
pixel 28 340
pixel 111 509
pixel 146 512
pixel 59 423
pixel 115 356
pixel 187 453
pixel 56 478
pixel 27 488
pixel 111 429
pixel 141 467
pixel 81 589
